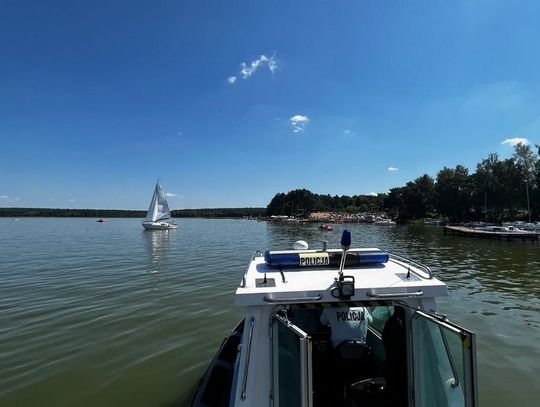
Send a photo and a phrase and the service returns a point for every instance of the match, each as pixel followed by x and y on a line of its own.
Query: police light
pixel 345 245
pixel 346 239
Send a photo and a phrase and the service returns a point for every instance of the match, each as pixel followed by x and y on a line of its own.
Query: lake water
pixel 109 315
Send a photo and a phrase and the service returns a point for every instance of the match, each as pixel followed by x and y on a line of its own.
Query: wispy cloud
pixel 501 96
pixel 10 198
pixel 248 69
pixel 373 194
pixel 173 195
pixel 299 123
pixel 515 141
pixel 392 169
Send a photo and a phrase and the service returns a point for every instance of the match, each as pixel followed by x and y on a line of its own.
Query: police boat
pixel 398 350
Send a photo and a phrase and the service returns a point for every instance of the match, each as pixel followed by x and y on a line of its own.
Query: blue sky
pixel 231 102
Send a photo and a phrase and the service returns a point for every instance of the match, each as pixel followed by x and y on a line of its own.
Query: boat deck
pixel 265 285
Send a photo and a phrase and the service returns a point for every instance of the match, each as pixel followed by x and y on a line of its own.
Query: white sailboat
pixel 159 215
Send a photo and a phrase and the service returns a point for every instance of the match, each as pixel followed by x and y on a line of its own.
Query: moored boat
pixel 326 227
pixel 384 222
pixel 504 229
pixel 408 355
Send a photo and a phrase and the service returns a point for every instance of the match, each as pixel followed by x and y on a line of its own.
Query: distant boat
pixel 326 227
pixel 101 220
pixel 505 229
pixel 158 215
pixel 384 222
pixel 527 226
pixel 531 226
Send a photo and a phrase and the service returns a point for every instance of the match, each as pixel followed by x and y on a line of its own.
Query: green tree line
pixel 70 213
pixel 219 213
pixel 114 213
pixel 303 202
pixel 498 190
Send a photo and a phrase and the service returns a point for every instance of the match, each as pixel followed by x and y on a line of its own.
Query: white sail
pixel 159 208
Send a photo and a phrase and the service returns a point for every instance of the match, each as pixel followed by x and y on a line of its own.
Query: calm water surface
pixel 109 315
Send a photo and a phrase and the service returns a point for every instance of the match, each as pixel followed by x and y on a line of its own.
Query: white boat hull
pixel 159 225
pixel 385 223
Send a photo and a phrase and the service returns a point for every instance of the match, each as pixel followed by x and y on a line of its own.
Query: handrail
pixel 394 295
pixel 292 299
pixel 248 355
pixel 450 359
pixel 417 264
pixel 256 254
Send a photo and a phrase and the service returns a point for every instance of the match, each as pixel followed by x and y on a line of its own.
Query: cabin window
pixel 291 361
pixel 443 363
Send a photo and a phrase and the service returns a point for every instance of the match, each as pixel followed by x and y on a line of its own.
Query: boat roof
pixel 266 282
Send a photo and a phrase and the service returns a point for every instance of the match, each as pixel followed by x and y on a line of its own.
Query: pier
pixel 499 235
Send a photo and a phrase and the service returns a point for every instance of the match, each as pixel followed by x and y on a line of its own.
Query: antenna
pixel 324 244
pixel 409 265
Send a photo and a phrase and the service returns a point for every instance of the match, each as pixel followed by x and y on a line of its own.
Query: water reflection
pixel 158 242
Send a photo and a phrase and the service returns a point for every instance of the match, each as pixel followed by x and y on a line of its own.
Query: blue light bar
pixel 329 259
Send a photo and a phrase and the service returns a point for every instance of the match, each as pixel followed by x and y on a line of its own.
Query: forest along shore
pixel 124 213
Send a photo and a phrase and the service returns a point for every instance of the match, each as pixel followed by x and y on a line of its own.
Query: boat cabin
pixel 395 350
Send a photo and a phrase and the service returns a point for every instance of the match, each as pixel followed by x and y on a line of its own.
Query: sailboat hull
pixel 159 225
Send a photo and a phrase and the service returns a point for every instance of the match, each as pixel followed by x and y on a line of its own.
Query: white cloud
pixel 515 141
pixel 392 169
pixel 248 69
pixel 72 200
pixel 10 198
pixel 299 123
pixel 173 195
pixel 373 194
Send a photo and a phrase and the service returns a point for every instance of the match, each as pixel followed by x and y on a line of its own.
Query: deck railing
pixel 408 261
pixel 256 254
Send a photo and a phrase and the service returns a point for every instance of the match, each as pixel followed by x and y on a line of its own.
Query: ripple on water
pixel 110 315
